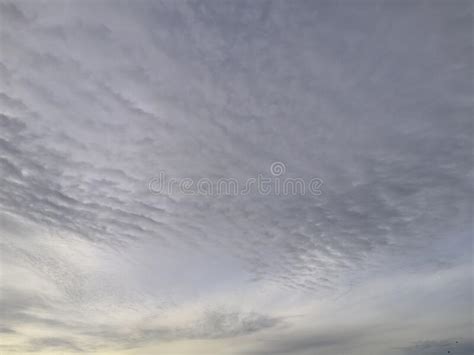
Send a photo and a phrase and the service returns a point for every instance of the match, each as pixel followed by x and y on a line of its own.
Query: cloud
pixel 41 344
pixel 451 346
pixel 6 330
pixel 213 324
pixel 373 99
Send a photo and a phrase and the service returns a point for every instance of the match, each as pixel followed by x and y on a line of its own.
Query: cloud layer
pixel 97 99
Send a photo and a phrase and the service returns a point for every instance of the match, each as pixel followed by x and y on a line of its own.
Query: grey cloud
pixel 448 346
pixel 19 308
pixel 374 99
pixel 218 324
pixel 395 180
pixel 213 324
pixel 309 343
pixel 40 344
pixel 7 330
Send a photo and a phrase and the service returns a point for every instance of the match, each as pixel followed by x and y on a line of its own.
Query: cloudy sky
pixel 104 101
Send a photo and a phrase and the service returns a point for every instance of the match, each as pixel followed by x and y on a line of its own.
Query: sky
pixel 104 102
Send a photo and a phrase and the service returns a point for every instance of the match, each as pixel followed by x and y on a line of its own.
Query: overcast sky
pixel 371 98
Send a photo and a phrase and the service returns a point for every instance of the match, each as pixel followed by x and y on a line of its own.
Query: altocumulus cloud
pixel 98 98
